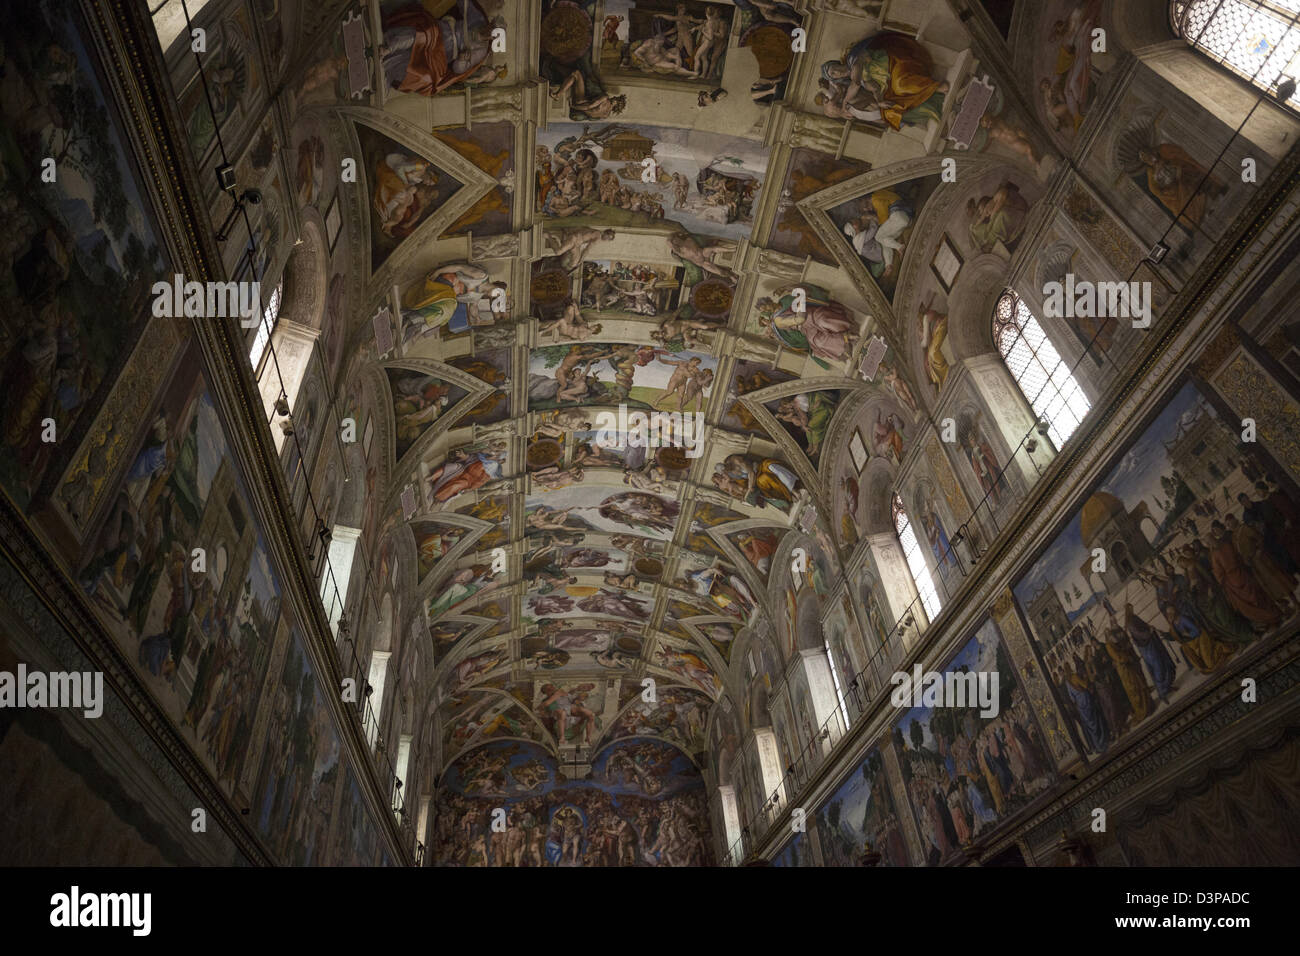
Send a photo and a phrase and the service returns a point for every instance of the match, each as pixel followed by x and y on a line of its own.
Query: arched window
pixel 337 573
pixel 836 677
pixel 1045 380
pixel 1256 39
pixel 915 560
pixel 169 18
pixel 377 678
pixel 270 315
pixel 399 773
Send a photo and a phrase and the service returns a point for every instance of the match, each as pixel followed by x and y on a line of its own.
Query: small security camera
pixel 253 197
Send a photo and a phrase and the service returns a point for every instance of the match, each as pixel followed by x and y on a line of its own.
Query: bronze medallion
pixel 648 567
pixel 712 297
pixel 566 32
pixel 771 48
pixel 673 458
pixel 550 288
pixel 543 452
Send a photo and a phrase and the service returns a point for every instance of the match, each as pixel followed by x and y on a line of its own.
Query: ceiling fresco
pixel 647 381
pixel 623 261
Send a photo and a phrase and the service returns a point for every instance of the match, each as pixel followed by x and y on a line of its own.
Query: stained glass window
pixel 1045 380
pixel 270 315
pixel 915 560
pixel 169 18
pixel 1256 39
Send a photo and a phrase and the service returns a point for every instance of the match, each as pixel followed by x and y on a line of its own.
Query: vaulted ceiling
pixel 752 212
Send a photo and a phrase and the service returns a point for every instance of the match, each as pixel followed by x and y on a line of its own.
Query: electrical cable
pixel 250 252
pixel 909 611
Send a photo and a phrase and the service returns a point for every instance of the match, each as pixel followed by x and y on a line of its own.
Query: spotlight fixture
pixel 1044 426
pixel 226 178
pixel 286 426
pixel 1285 90
pixel 1031 445
pixel 282 405
pixel 252 197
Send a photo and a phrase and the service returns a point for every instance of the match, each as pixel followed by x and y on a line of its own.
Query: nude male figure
pixel 571 325
pixel 566 372
pixel 564 420
pixel 694 388
pixel 681 375
pixel 581 387
pixel 670 328
pixel 681 188
pixel 597 107
pixel 573 248
pixel 684 246
pixel 685 25
pixel 713 41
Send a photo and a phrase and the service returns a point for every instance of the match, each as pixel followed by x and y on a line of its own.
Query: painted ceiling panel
pixel 632 254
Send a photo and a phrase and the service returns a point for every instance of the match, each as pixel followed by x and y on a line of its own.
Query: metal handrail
pixel 863 688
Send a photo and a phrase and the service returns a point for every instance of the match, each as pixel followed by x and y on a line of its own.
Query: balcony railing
pixel 865 691
pixel 351 666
